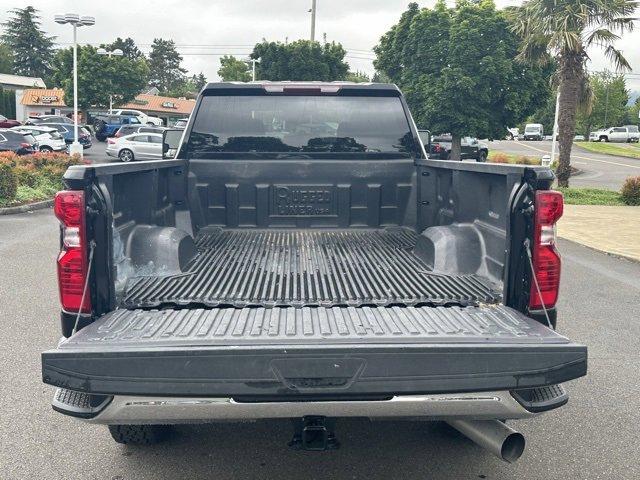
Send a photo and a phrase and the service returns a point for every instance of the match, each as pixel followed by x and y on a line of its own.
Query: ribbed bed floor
pixel 307 267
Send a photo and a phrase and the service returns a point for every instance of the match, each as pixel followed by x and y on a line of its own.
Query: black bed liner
pixel 352 267
pixel 316 351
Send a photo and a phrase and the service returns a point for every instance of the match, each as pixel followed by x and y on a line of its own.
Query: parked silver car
pixel 137 146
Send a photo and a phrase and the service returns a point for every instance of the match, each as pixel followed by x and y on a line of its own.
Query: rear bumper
pixel 124 409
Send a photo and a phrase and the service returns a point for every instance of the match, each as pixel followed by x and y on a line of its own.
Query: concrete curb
pixel 26 208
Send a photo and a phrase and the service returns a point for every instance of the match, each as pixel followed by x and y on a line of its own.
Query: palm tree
pixel 565 30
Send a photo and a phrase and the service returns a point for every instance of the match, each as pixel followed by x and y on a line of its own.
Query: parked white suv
pixel 143 117
pixel 49 139
pixel 628 133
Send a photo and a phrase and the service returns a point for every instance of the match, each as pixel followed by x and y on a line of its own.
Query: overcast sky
pixel 205 29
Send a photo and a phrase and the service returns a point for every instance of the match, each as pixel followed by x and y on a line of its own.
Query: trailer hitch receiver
pixel 314 433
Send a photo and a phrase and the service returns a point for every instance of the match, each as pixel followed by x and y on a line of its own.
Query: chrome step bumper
pixel 122 409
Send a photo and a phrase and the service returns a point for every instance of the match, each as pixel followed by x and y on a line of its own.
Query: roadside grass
pixel 631 150
pixel 591 196
pixel 502 157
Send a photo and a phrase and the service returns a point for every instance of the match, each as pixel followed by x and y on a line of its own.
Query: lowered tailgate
pixel 291 352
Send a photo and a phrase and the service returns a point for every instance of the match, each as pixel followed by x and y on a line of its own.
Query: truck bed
pixel 289 267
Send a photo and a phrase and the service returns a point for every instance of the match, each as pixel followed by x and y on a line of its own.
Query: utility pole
pixel 253 62
pixel 555 128
pixel 75 21
pixel 606 104
pixel 313 20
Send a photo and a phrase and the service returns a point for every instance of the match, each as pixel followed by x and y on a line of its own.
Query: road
pixel 597 170
pixel 593 437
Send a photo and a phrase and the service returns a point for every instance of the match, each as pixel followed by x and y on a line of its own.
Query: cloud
pixel 204 30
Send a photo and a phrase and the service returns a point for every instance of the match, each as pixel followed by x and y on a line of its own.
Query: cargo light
pixel 546 261
pixel 69 208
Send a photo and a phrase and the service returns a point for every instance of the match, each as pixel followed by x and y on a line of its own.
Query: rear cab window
pixel 308 126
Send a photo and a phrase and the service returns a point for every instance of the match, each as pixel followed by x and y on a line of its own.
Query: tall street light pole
pixel 118 53
pixel 75 21
pixel 253 62
pixel 313 20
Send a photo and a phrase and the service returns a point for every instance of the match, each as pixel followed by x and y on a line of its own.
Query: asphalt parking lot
pixel 593 437
pixel 596 170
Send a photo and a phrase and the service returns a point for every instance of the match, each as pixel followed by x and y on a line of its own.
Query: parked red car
pixel 6 123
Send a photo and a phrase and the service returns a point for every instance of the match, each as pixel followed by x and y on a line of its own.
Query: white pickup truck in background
pixel 626 134
pixel 143 117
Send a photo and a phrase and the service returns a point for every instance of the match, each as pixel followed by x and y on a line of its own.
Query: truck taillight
pixel 546 259
pixel 69 207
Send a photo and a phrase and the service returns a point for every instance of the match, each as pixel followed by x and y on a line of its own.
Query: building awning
pixel 47 97
pixel 161 105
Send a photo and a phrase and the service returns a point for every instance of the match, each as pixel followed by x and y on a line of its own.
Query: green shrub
pixel 630 191
pixel 27 175
pixel 32 177
pixel 8 182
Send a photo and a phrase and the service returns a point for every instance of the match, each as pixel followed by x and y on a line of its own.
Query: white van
pixel 533 131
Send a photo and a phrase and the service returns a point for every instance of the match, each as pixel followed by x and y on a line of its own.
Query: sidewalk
pixel 609 229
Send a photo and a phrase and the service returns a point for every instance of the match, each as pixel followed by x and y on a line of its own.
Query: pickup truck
pixel 143 117
pixel 440 147
pixel 301 258
pixel 106 126
pixel 626 134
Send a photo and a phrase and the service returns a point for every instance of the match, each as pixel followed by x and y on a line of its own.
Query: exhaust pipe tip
pixel 512 447
pixel 494 436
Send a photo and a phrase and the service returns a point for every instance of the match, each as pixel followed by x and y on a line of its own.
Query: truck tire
pixel 139 434
pixel 126 155
pixel 99 125
pixel 604 138
pixel 46 149
pixel 482 156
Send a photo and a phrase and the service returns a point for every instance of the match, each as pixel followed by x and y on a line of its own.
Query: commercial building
pixel 167 108
pixel 15 86
pixel 44 101
pixel 40 101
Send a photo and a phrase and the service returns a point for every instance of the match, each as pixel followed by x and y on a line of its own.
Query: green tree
pixel 200 81
pixel 6 59
pixel 31 48
pixel 233 70
pixel 633 112
pixel 165 71
pixel 357 76
pixel 128 47
pixel 458 70
pixel 609 103
pixel 190 87
pixel 300 60
pixel 564 31
pixel 99 76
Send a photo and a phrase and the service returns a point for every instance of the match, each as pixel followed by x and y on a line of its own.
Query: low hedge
pixel 32 177
pixel 8 181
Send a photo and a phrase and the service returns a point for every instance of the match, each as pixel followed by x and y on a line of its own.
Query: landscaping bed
pixel 32 178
